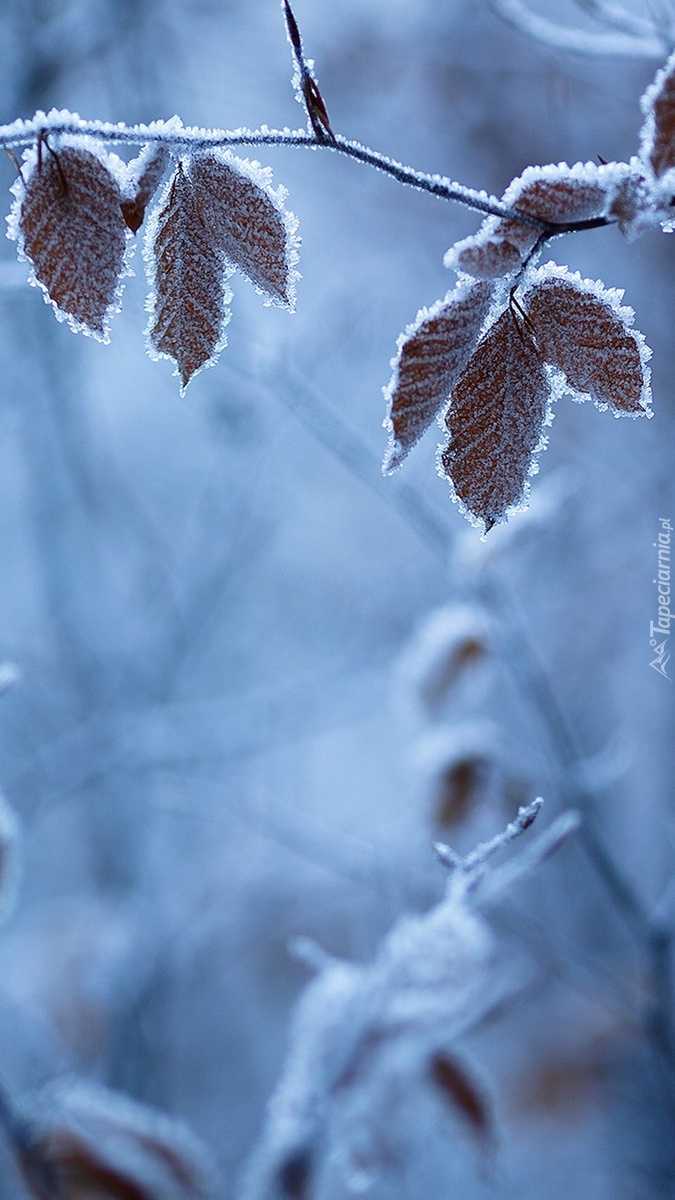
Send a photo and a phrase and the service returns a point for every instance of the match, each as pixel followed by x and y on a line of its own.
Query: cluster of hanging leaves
pixel 488 361
pixel 76 212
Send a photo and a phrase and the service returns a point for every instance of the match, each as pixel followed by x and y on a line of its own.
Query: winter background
pixel 240 716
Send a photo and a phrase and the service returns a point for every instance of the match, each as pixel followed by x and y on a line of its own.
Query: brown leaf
pixel 95 1145
pixel 73 232
pixel 465 1095
pixel 465 653
pixel 559 195
pixel 244 219
pixel 658 134
pixel 553 195
pixel 495 419
pixel 431 354
pixel 145 177
pixel 460 788
pixel 491 254
pixel 580 329
pixel 189 283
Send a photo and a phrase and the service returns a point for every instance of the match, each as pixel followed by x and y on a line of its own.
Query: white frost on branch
pixel 366 1039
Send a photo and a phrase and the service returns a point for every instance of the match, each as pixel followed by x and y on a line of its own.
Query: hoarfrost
pixel 358 1032
pixel 80 253
pixel 582 330
pixel 431 353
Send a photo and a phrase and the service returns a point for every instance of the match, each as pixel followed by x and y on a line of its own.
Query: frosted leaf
pixel 560 194
pixel 449 646
pixel 495 422
pixel 188 274
pixel 99 1145
pixel 489 254
pixel 581 329
pixel 245 220
pixel 9 858
pixel 554 194
pixel 431 354
pixel 145 174
pixel 633 204
pixel 70 226
pixel 658 132
pixel 357 1032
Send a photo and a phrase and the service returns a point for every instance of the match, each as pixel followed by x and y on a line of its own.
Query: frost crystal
pixel 495 423
pixel 582 329
pixel 68 222
pixel 431 354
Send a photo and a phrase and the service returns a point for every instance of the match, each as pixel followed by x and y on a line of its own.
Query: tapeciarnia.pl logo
pixel 661 627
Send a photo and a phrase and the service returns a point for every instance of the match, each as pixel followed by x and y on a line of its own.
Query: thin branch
pixel 178 137
pixel 486 850
pixel 580 41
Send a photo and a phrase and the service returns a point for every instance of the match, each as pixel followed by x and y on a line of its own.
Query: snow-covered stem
pixel 180 138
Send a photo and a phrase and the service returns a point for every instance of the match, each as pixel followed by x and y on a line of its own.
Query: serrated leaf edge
pixel 463 285
pixel 533 469
pixel 151 227
pixel 118 170
pixel 262 177
pixel 612 297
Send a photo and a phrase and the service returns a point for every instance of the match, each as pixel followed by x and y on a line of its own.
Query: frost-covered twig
pixel 180 138
pixel 370 1042
pixel 478 857
pixel 642 42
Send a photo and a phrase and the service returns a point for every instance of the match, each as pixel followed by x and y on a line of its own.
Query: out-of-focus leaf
pixel 98 1145
pixel 465 1095
pixel 460 788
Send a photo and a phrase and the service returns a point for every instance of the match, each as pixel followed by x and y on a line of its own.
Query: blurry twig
pixel 624 36
pixel 656 939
